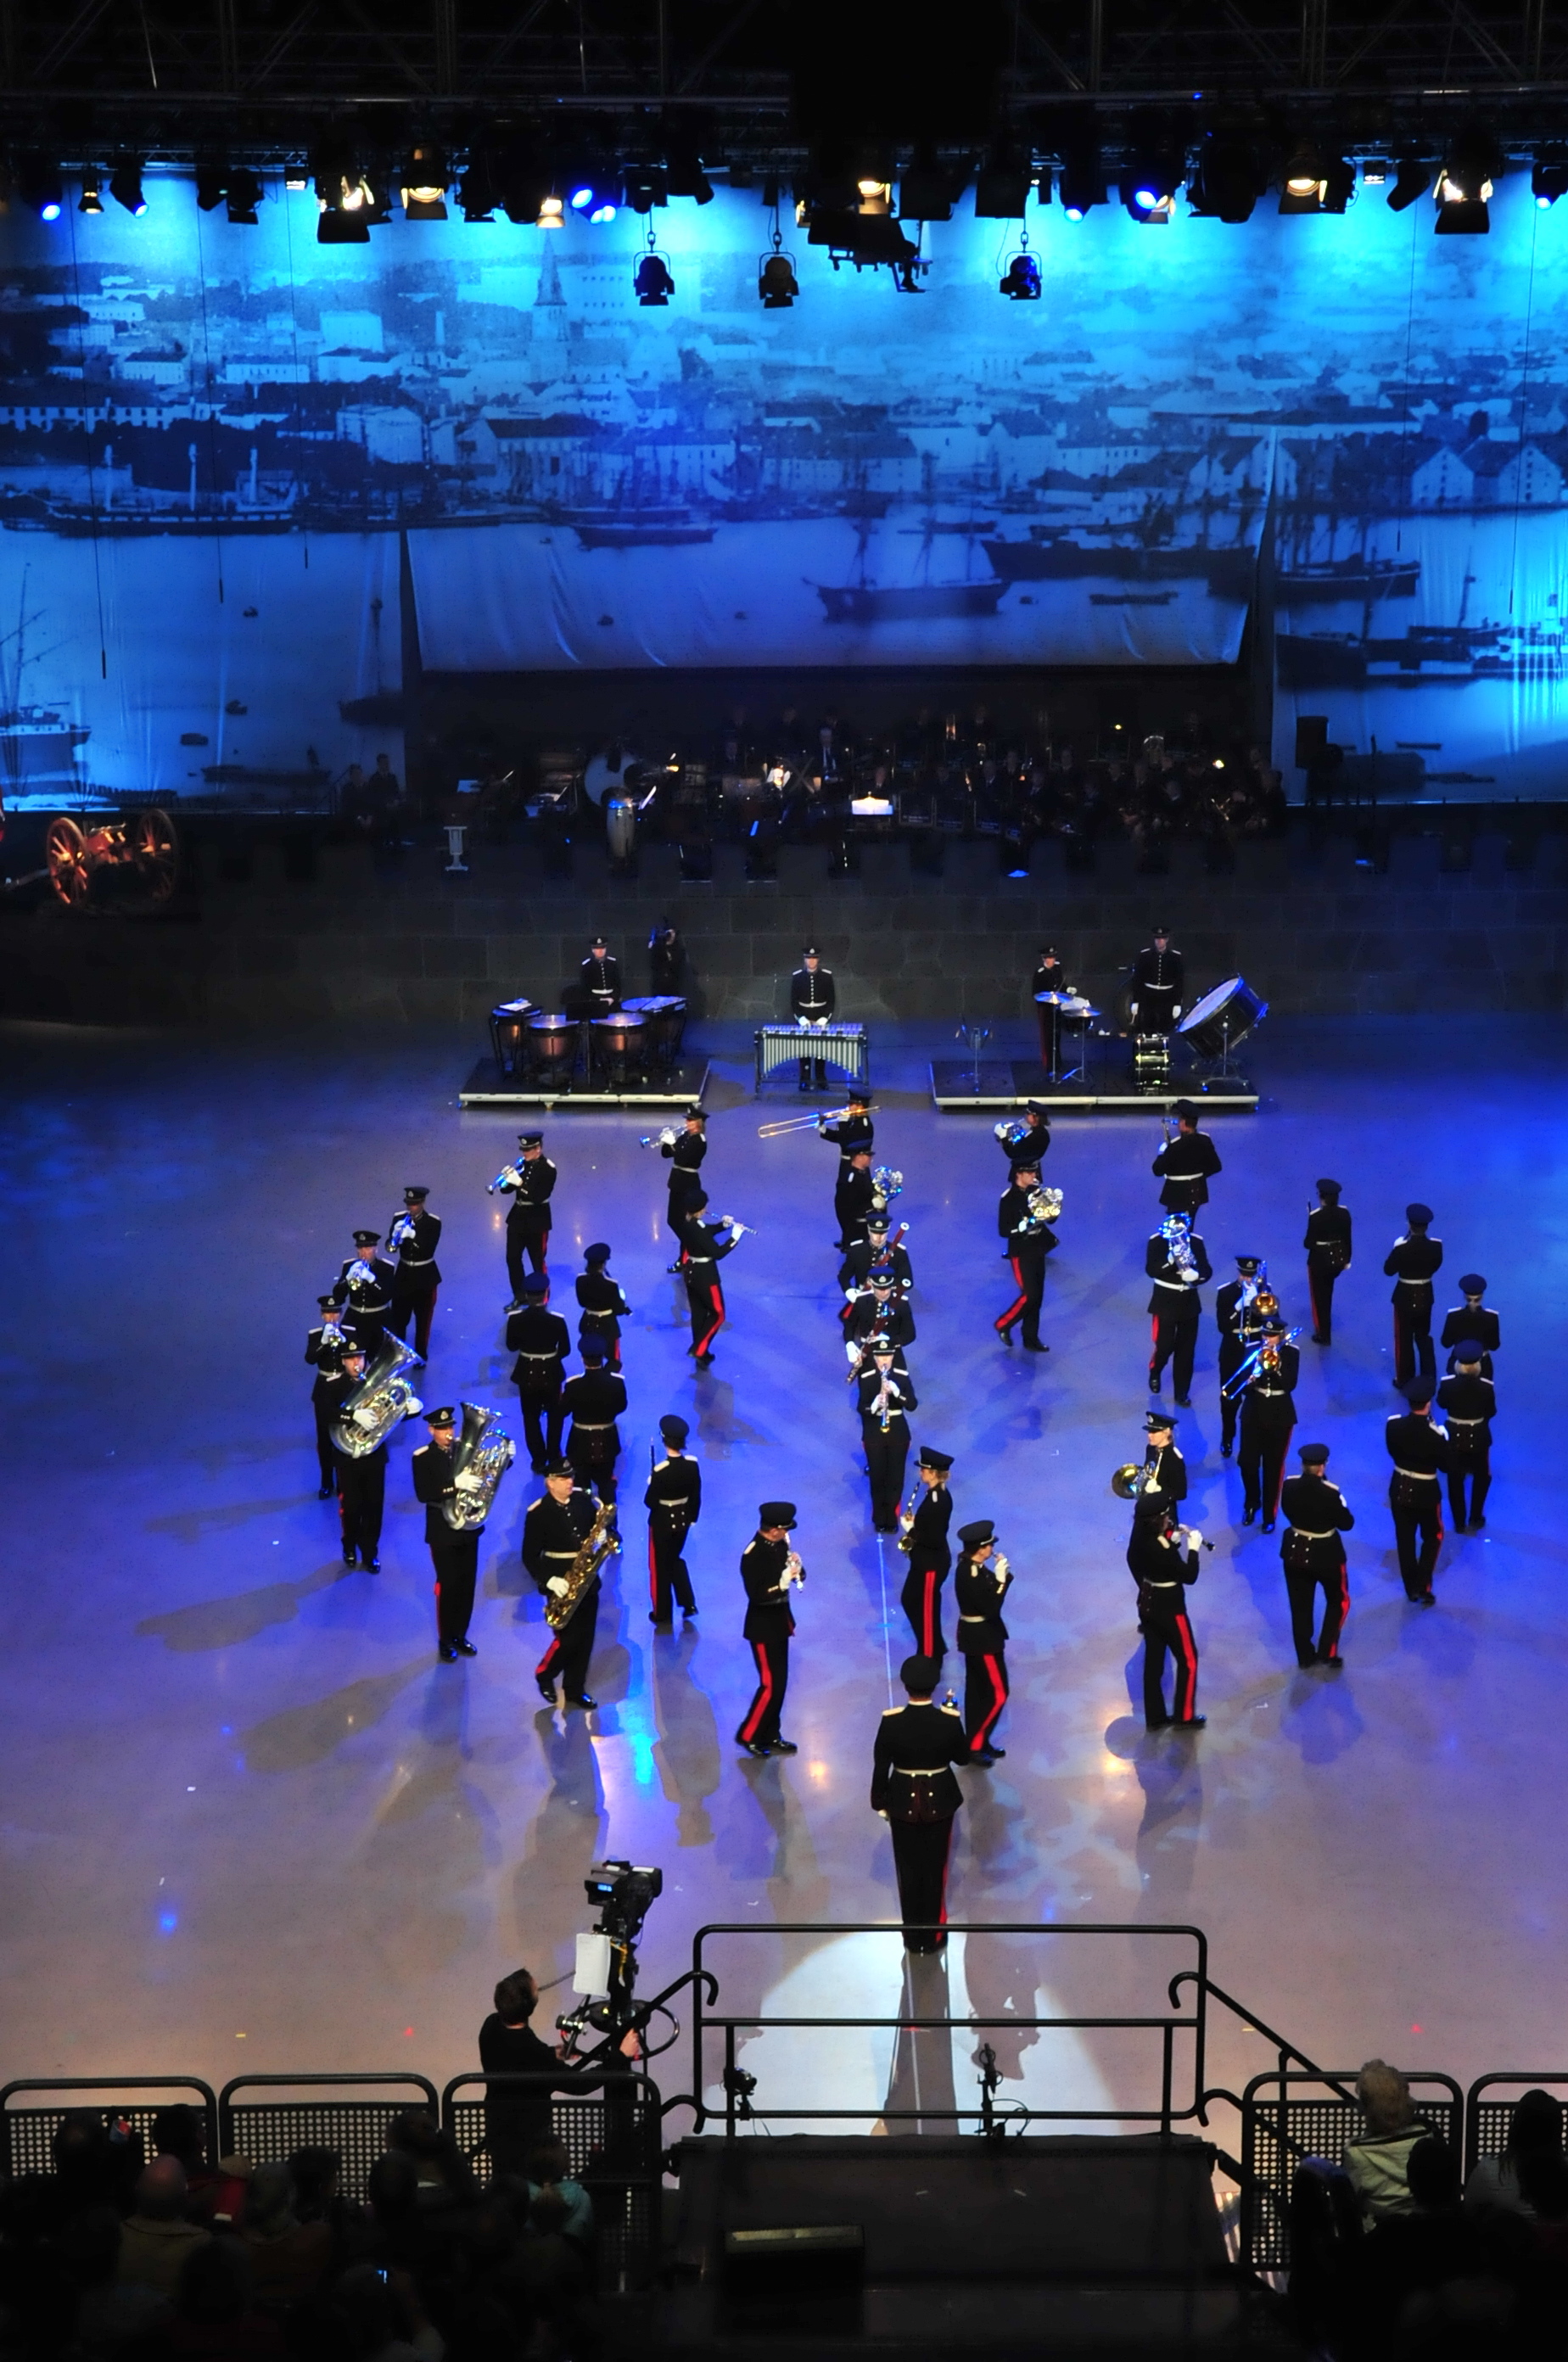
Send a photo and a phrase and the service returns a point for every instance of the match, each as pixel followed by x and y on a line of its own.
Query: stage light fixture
pixel 39 184
pixel 1464 188
pixel 652 281
pixel 212 186
pixel 551 213
pixel 1146 197
pixel 1227 181
pixel 244 194
pixel 1412 179
pixel 1375 171
pixel 345 201
pixel 124 185
pixel 296 178
pixel 683 164
pixel 775 282
pixel 643 186
pixel 423 184
pixel 1002 186
pixel 1082 185
pixel 1042 186
pixel 477 199
pixel 927 188
pixel 592 196
pixel 1549 178
pixel 91 200
pixel 1021 280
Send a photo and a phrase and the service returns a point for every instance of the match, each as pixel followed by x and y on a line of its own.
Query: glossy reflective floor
pixel 251 1822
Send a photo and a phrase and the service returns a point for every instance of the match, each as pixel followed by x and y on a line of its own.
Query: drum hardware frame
pixel 456 834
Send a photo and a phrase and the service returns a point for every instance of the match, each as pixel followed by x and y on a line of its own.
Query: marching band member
pixel 769 1569
pixel 600 973
pixel 1177 1261
pixel 1268 1420
pixel 884 1398
pixel 1327 1246
pixel 324 1354
pixel 541 1340
pixel 361 1482
pixel 1471 1319
pixel 1162 1557
pixel 1411 1263
pixel 980 1583
pixel 1158 981
pixel 528 1215
pixel 602 1304
pixel 850 1131
pixel 364 1287
pixel 877 1311
pixel 875 1247
pixel 1165 1470
pixel 813 998
pixel 414 1233
pixel 1236 1316
pixel 552 1531
pixel 685 1152
pixel 854 1200
pixel 1186 1163
pixel 1029 1241
pixel 454 1554
pixel 674 1504
pixel 705 1248
pixel 1418 1449
pixel 925 1535
pixel 1026 1143
pixel 1469 1405
pixel 913 1788
pixel 1317 1517
pixel 592 1401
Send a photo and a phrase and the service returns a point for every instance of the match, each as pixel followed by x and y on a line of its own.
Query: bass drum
pixel 1222 1017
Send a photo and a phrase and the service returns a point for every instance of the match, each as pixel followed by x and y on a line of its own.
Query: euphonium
pixel 483 1453
pixel 1045 1205
pixel 599 1542
pixel 381 1399
pixel 886 1184
pixel 1177 1232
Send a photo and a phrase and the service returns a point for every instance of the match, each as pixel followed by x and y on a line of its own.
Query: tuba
pixel 381 1399
pixel 599 1542
pixel 483 1453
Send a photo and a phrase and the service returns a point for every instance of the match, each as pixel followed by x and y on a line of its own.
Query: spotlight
pixel 1081 184
pixel 1227 182
pixel 343 195
pixel 424 185
pixel 296 178
pixel 1317 181
pixel 1374 172
pixel 1412 179
pixel 1001 187
pixel 1146 197
pixel 39 184
pixel 592 196
pixel 686 176
pixel 551 213
pixel 92 202
pixel 1549 177
pixel 652 281
pixel 476 191
pixel 926 189
pixel 212 186
pixel 124 185
pixel 1021 280
pixel 244 194
pixel 876 196
pixel 1464 188
pixel 775 282
pixel 1043 182
pixel 644 186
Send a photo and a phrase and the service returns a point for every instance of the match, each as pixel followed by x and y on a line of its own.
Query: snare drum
pixel 1151 1062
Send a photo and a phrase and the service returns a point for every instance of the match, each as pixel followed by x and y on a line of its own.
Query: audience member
pixel 214 2320
pixel 1531 2166
pixel 288 2258
pixel 549 2168
pixel 156 2240
pixel 1376 2162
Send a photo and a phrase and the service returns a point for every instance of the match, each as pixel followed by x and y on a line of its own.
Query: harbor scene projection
pixel 217 442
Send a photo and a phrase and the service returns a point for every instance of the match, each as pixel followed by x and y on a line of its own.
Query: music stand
pixel 974 1037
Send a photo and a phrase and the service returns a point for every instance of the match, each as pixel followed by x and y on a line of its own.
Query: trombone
pixel 800 1122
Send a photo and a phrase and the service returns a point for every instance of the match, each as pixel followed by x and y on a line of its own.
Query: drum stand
pixel 974 1038
pixel 1225 1072
pixel 1077 1073
pixel 456 867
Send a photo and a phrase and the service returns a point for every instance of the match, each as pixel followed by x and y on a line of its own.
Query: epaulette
pixel 945 1708
pixel 887 1710
pixel 536 1505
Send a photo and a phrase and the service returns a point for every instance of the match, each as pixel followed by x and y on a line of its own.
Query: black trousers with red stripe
pixel 985 1688
pixel 921 1602
pixel 666 1567
pixel 705 1295
pixel 457 1570
pixel 920 1858
pixel 1167 1631
pixel 535 1244
pixel 1301 1584
pixel 760 1724
pixel 1175 1340
pixel 1418 1531
pixel 1320 1287
pixel 566 1659
pixel 1028 1279
pixel 361 1495
pixel 1266 1440
pixel 1413 1337
pixel 423 1308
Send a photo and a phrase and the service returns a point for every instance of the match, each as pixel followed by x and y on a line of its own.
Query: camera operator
pixel 518 2119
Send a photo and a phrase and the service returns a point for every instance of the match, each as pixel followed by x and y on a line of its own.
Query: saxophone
pixel 599 1542
pixel 483 1453
pixel 382 1398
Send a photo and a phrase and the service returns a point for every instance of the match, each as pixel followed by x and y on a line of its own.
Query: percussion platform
pixel 1001 1085
pixel 680 1085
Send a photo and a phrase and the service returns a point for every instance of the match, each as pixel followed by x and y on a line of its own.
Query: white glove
pixel 852 1353
pixel 1194 1538
pixel 1189 1279
pixel 558 1585
pixel 510 1451
pixel 895 1391
pixel 362 1418
pixel 467 1483
pixel 850 1294
pixel 1000 1564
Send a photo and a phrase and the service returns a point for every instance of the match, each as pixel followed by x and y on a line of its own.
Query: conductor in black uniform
pixel 1186 1163
pixel 600 973
pixel 812 1000
pixel 1177 1262
pixel 924 1535
pixel 1236 1319
pixel 1029 1239
pixel 913 1788
pixel 1327 1246
pixel 1468 1405
pixel 1157 985
pixel 1412 1264
pixel 685 1152
pixel 553 1533
pixel 454 1550
pixel 980 1583
pixel 364 1288
pixel 1419 1453
pixel 416 1233
pixel 769 1570
pixel 528 1215
pixel 674 1504
pixel 324 1354
pixel 1316 1517
pixel 592 1401
pixel 1471 1319
pixel 1268 1421
pixel 360 1479
pixel 541 1340
pixel 1162 1558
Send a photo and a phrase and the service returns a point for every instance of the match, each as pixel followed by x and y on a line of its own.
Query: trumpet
pixel 784 1123
pixel 1171 1129
pixel 509 1177
pixel 402 1234
pixel 665 1138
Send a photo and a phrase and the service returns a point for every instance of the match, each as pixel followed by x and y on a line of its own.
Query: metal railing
pixel 610 2122
pixel 269 2131
pixel 1173 2106
pixel 1488 2122
pixel 26 2134
pixel 1278 2135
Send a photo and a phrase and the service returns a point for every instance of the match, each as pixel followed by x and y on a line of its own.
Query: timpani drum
pixel 552 1043
pixel 509 1034
pixel 664 1019
pixel 618 1043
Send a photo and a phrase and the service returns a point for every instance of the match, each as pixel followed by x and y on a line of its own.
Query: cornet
pixel 402 1234
pixel 666 1138
pixel 509 1177
pixel 1011 1131
pixel 794 1572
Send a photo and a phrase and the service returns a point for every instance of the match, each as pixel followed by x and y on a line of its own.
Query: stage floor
pixel 251 1824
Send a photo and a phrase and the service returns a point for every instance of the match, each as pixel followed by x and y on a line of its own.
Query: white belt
pixel 901 1773
pixel 1465 1423
pixel 597 1427
pixel 1308 1536
pixel 1180 1286
pixel 1417 1475
pixel 572 1553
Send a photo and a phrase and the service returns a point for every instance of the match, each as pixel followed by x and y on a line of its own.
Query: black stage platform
pixel 681 1085
pixel 999 1084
